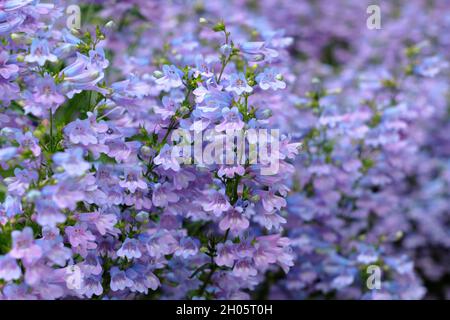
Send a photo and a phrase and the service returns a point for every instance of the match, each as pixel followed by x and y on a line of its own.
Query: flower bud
pixel 158 74
pixel 110 24
pixel 142 216
pixel 220 26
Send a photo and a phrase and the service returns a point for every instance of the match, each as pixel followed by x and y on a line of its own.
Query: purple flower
pixel 125 91
pixel 67 194
pixel 119 280
pixel 18 292
pixel 40 52
pixel 129 249
pixel 271 201
pixel 48 94
pixel 80 132
pixel 270 79
pixel 237 83
pixel 81 238
pixel 9 22
pixel 72 162
pixel 257 51
pixel 170 106
pixel 12 206
pixel 171 78
pixel 431 66
pixel 91 264
pixel 7 70
pixel 276 246
pixel 143 279
pixel 97 59
pixel 160 244
pixel 213 103
pixel 225 254
pixel 29 142
pixel 203 66
pixel 22 179
pixel 7 153
pixel 9 269
pixel 163 194
pixel 81 75
pixel 188 247
pixel 167 158
pixel 232 120
pixel 234 220
pixel 342 281
pixel 216 203
pixel 91 286
pixel 133 180
pixel 47 212
pixel 24 247
pixel 244 268
pixel 104 223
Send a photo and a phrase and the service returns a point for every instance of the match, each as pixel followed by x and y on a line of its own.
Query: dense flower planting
pixel 95 205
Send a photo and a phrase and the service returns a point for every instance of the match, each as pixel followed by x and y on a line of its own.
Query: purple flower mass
pixel 96 204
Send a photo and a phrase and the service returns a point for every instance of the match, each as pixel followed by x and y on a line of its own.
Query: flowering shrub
pixel 99 200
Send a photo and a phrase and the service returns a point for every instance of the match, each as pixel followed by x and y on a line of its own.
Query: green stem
pixel 51 130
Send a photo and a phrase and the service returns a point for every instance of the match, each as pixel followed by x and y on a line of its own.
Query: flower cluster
pixel 96 204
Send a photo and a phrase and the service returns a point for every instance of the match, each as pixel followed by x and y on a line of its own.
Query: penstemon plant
pixel 223 150
pixel 96 203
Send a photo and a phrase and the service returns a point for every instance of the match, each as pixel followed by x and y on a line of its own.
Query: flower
pixel 7 70
pixel 171 78
pixel 234 220
pixel 257 51
pixel 119 280
pixel 232 120
pixel 81 75
pixel 170 108
pixel 40 52
pixel 24 247
pixel 244 268
pixel 163 194
pixel 167 157
pixel 216 202
pixel 238 84
pixel 270 79
pixel 225 254
pixel 129 249
pixel 431 66
pixel 81 238
pixel 9 269
pixel 80 132
pixel 133 180
pixel 72 162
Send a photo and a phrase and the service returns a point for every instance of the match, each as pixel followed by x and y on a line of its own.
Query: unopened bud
pixel 110 24
pixel 157 74
pixel 142 216
pixel 184 110
pixel 220 26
